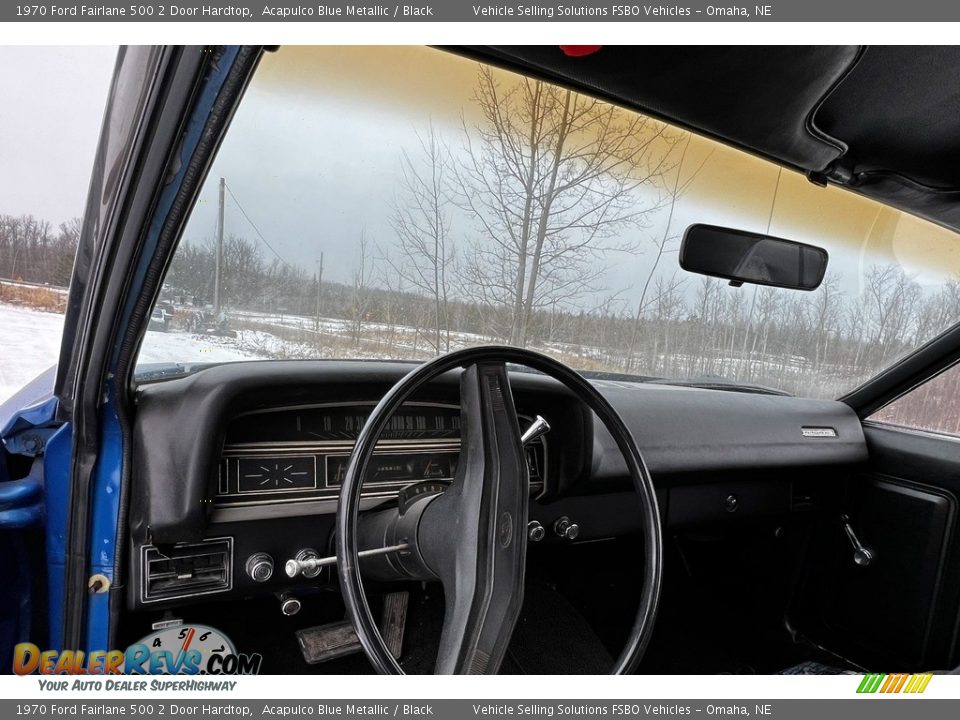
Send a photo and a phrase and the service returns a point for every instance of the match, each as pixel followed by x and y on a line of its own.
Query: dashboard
pixel 235 469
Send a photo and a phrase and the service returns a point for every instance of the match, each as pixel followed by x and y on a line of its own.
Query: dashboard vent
pixel 187 569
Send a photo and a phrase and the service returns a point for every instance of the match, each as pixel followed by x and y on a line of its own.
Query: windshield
pixel 356 211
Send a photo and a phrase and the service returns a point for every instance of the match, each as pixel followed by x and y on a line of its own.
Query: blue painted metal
pixel 31 395
pixel 20 493
pixel 56 480
pixel 26 431
pixel 103 524
pixel 18 518
pixel 105 489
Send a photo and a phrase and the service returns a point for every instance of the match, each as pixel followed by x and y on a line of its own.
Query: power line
pixel 255 228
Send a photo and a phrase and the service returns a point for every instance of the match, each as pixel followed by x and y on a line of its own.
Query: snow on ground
pixel 187 347
pixel 30 343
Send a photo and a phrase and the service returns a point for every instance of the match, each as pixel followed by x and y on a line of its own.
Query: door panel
pixel 900 611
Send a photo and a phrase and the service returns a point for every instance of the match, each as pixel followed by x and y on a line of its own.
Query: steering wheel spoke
pixel 472 536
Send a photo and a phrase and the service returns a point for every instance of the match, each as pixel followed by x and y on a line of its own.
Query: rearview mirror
pixel 740 257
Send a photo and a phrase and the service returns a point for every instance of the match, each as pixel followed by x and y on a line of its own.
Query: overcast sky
pixel 51 107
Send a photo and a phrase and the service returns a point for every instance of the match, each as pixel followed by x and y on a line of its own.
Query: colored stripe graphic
pixel 912 683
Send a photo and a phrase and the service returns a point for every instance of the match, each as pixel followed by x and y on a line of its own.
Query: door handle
pixel 862 555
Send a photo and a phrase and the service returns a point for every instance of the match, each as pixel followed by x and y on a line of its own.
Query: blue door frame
pixel 36 501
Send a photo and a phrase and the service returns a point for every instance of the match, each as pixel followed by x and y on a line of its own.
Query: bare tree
pixel 64 251
pixel 191 271
pixel 668 309
pixel 892 297
pixel 30 250
pixel 939 311
pixel 421 221
pixel 362 294
pixel 666 242
pixel 707 310
pixel 826 306
pixel 243 267
pixel 550 178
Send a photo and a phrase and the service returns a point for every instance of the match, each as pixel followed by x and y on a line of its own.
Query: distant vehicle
pixel 205 323
pixel 159 320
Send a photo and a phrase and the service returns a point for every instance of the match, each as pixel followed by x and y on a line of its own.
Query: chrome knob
pixel 566 529
pixel 306 563
pixel 260 567
pixel 289 605
pixel 535 531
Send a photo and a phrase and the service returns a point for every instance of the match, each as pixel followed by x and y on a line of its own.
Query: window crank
pixel 862 556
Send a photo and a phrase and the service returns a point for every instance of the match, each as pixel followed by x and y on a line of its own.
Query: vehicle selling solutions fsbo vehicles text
pixel 494 11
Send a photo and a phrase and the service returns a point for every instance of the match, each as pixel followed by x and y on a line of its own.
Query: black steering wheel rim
pixel 348 504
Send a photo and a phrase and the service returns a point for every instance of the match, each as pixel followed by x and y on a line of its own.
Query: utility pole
pixel 218 273
pixel 319 292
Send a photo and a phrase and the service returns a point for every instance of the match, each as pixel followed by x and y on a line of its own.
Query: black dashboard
pixel 240 462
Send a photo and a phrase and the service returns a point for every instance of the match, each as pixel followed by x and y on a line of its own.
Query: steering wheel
pixel 472 536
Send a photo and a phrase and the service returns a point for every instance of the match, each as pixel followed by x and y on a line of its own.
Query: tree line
pixel 34 250
pixel 818 343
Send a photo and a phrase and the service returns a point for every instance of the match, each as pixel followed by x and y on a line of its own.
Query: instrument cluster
pixel 295 454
